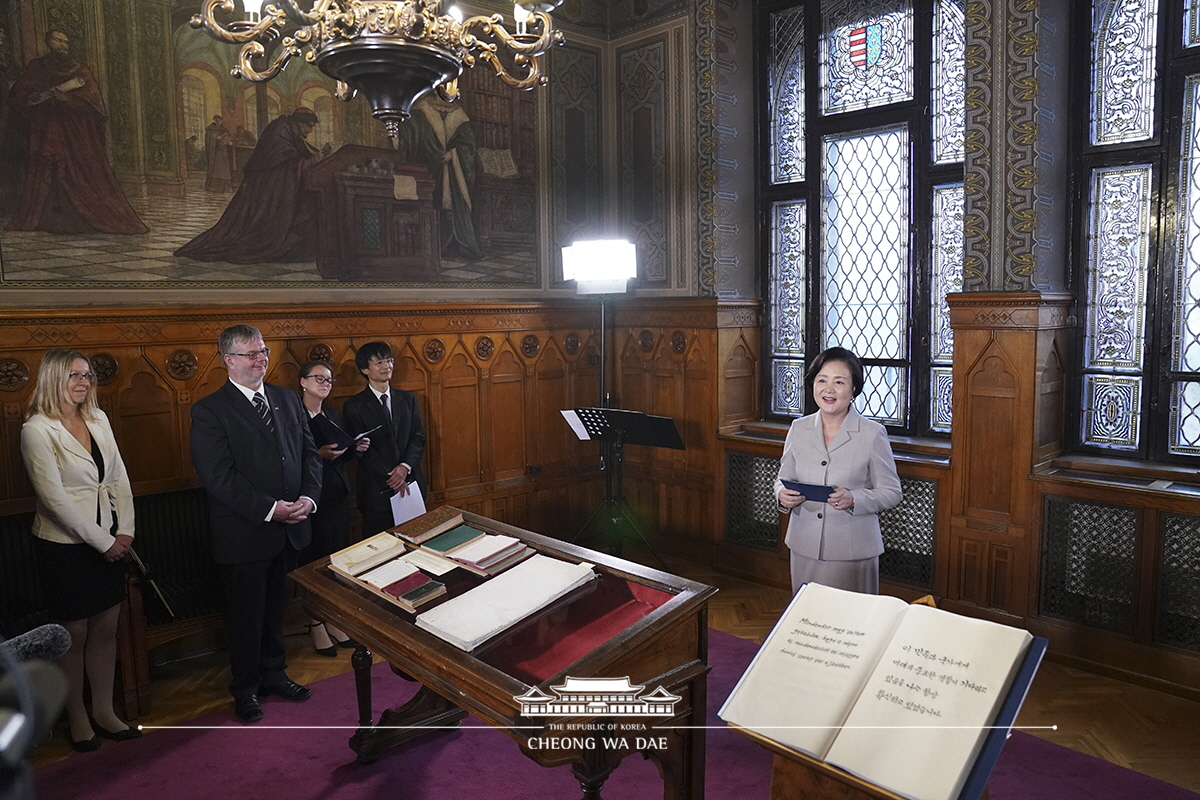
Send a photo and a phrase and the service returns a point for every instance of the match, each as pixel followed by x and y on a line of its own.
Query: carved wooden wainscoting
pixel 491 380
pixel 1006 420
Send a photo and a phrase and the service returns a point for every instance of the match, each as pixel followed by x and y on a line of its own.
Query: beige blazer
pixel 68 486
pixel 859 459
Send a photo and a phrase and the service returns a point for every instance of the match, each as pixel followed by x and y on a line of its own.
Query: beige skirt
pixel 854 576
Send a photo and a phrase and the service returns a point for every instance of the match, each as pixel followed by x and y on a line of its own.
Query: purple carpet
pixel 235 761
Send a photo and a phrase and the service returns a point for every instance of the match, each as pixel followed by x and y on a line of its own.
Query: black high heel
pixel 118 736
pixel 87 746
pixel 328 652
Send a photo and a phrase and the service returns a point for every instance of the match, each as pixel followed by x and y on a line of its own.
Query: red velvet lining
pixel 552 642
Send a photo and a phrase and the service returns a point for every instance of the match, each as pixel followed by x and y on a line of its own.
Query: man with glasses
pixel 393 463
pixel 255 455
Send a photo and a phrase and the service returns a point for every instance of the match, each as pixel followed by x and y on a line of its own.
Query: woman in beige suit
pixel 837 543
pixel 83 529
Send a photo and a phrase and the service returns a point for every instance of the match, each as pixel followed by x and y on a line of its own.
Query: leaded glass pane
pixel 949 82
pixel 1123 74
pixel 1111 411
pixel 1185 418
pixel 786 94
pixel 884 395
pixel 866 54
pixel 1186 356
pixel 788 265
pixel 1191 27
pixel 941 410
pixel 788 382
pixel 1118 262
pixel 864 216
pixel 948 204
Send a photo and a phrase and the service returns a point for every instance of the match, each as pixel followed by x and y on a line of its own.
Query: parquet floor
pixel 1139 728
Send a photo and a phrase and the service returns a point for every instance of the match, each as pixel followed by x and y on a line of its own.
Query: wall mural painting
pixel 112 175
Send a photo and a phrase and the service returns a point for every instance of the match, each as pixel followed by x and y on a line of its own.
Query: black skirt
pixel 76 580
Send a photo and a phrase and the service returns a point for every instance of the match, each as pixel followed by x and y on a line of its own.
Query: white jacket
pixel 68 486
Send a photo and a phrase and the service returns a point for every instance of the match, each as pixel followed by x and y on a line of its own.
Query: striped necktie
pixel 264 411
pixel 387 409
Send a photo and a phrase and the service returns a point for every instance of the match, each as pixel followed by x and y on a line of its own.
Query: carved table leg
pixel 426 712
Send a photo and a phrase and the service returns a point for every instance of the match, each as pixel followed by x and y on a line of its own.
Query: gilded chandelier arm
pixel 479 35
pixel 305 18
pixel 207 20
pixel 254 50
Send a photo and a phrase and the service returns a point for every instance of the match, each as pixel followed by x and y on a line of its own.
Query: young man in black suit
pixel 254 453
pixel 393 463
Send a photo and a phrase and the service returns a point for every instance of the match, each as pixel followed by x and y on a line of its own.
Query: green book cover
pixel 452 538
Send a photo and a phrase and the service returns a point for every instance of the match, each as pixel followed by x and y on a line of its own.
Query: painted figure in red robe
pixel 69 186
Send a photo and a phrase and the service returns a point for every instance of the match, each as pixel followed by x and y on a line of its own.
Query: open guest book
pixel 910 698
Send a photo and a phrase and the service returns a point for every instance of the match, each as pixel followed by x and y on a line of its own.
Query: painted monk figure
pixel 271 217
pixel 69 185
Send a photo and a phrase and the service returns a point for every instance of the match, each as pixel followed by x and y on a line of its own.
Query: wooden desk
pixel 632 621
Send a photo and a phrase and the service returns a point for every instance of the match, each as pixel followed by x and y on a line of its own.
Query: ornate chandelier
pixel 393 51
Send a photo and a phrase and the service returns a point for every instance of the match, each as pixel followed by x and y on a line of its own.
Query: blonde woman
pixel 83 529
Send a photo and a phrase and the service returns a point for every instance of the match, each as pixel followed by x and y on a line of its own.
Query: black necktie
pixel 387 409
pixel 264 411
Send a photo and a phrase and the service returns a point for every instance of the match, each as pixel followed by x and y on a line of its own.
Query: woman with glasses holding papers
pixel 837 473
pixel 331 521
pixel 83 528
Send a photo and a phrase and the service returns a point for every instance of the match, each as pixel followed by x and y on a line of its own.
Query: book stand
pixel 615 428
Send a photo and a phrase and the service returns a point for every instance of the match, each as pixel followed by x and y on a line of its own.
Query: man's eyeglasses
pixel 90 377
pixel 388 360
pixel 266 351
pixel 321 379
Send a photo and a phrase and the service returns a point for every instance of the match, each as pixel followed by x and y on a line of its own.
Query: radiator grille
pixel 751 514
pixel 173 539
pixel 908 535
pixel 1089 563
pixel 22 606
pixel 1177 617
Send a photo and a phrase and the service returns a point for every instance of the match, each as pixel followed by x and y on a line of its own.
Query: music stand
pixel 615 428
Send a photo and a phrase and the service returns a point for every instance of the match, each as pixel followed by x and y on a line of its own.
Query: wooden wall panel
pixel 491 408
pixel 504 414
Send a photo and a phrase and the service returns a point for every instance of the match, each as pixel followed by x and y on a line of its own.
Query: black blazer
pixel 406 444
pixel 245 470
pixel 335 483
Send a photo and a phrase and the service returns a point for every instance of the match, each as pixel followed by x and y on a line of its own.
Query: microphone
pixel 44 643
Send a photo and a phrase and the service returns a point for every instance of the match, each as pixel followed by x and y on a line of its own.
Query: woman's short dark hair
pixel 309 366
pixel 837 354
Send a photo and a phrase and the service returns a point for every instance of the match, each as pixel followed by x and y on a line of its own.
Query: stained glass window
pixel 788 382
pixel 864 263
pixel 949 82
pixel 1107 421
pixel 1118 260
pixel 947 252
pixel 841 268
pixel 1191 26
pixel 1123 73
pixel 1118 264
pixel 1185 358
pixel 786 96
pixel 787 280
pixel 866 54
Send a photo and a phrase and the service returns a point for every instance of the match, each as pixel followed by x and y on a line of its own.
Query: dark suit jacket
pixel 406 443
pixel 246 469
